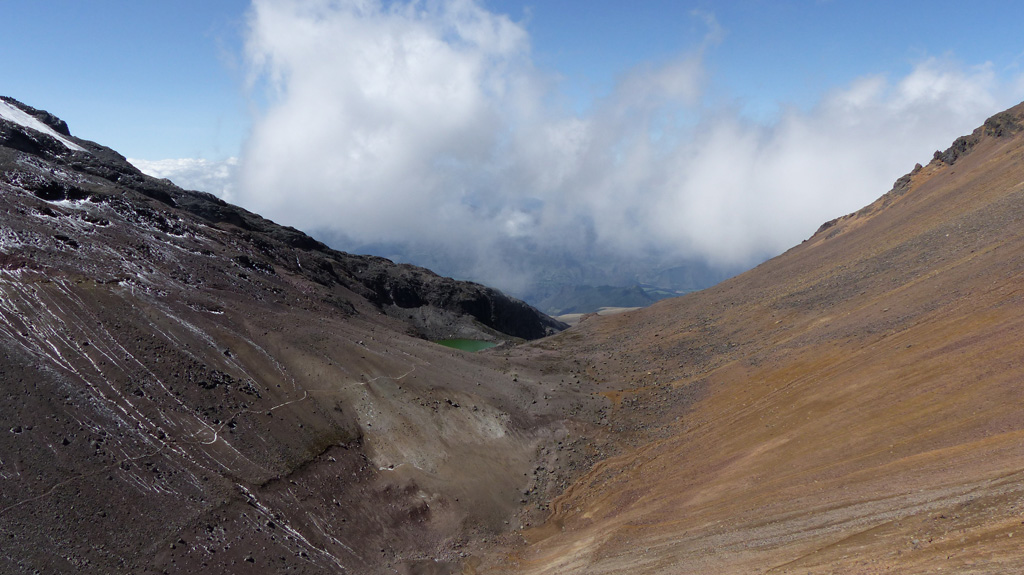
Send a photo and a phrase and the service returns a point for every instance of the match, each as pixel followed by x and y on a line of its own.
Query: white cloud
pixel 215 177
pixel 376 110
pixel 426 123
pixel 736 190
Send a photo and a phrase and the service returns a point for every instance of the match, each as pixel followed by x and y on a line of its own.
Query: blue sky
pixel 162 80
pixel 150 79
pixel 610 132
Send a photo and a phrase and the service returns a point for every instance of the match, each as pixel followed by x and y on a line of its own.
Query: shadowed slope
pixel 190 388
pixel 859 398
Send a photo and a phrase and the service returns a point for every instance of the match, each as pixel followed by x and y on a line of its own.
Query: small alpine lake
pixel 467 344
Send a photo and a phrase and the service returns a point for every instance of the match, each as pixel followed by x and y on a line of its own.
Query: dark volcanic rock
pixel 188 387
pixel 58 125
pixel 1001 125
pixel 463 308
pixel 403 287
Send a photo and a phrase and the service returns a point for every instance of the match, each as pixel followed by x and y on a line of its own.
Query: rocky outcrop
pixel 60 126
pixel 460 307
pixel 1001 125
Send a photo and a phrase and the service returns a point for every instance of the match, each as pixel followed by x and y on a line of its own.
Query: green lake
pixel 467 344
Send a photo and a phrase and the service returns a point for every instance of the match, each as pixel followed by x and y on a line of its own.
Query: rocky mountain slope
pixel 435 306
pixel 853 406
pixel 188 387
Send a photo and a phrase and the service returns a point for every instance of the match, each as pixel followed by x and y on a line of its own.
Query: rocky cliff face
pixel 188 387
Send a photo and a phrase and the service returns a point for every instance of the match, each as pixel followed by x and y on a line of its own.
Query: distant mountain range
pixel 557 283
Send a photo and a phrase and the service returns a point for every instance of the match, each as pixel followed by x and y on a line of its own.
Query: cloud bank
pixel 215 177
pixel 426 125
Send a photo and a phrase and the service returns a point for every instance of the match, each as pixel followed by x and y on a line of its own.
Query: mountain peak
pixel 37 121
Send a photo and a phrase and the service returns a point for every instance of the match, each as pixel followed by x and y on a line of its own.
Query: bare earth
pixel 855 403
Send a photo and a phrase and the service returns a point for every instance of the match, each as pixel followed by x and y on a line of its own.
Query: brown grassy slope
pixel 860 400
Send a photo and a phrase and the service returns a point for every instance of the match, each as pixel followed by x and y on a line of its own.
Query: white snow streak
pixel 18 116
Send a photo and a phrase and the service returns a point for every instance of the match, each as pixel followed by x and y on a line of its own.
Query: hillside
pixel 851 406
pixel 189 387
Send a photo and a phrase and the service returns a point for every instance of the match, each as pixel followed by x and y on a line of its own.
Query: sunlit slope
pixel 860 398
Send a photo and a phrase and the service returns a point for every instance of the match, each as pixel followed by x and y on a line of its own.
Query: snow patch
pixel 22 118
